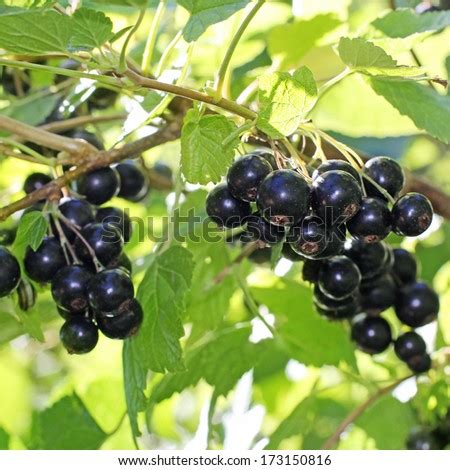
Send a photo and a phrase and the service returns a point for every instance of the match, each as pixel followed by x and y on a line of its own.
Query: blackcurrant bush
pixel 79 335
pixel 378 294
pixel 342 165
pixel 421 439
pixel 224 209
pixel 408 345
pixel 371 334
pixel 290 254
pixel 9 272
pixel 99 186
pixel 417 304
pixel 311 270
pixel 283 198
pixel 246 175
pixel 385 172
pixel 109 289
pixel 337 194
pixel 116 217
pixel 35 181
pixel 43 264
pixel 339 277
pixel 70 288
pixel 105 240
pixel 79 213
pixel 369 257
pixel 405 266
pixel 133 183
pixel 261 230
pixel 87 136
pixel 102 98
pixel 373 221
pixel 123 322
pixel 309 237
pixel 412 214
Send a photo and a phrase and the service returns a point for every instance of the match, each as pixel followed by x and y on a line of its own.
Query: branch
pixel 357 412
pixel 80 121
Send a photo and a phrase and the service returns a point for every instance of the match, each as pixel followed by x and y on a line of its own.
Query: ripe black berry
pixel 99 186
pixel 373 222
pixel 109 289
pixel 421 439
pixel 123 322
pixel 335 309
pixel 371 334
pixel 263 231
pixel 341 165
pixel 336 193
pixel 412 214
pixel 9 272
pixel 36 181
pixel 78 213
pixel 417 304
pixel 405 266
pixel 122 262
pixel 408 345
pixel 335 237
pixel 311 270
pixel 102 98
pixel 283 198
pixel 369 257
pixel 378 294
pixel 224 209
pixel 163 170
pixel 69 288
pixel 339 277
pixel 246 175
pixel 79 335
pixel 88 137
pixel 268 156
pixel 419 364
pixel 43 264
pixel 117 218
pixel 105 240
pixel 309 237
pixel 290 254
pixel 7 236
pixel 133 183
pixel 387 173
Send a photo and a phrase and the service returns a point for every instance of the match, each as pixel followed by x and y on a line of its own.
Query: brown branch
pixel 80 121
pixel 358 411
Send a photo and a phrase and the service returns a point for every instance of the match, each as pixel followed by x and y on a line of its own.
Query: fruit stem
pixel 296 156
pixel 167 52
pixel 123 52
pixel 26 153
pixel 326 87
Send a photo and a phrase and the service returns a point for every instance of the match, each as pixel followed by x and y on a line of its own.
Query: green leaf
pixel 292 41
pixel 285 101
pixel 31 323
pixel 4 439
pixel 204 158
pixel 32 110
pixel 365 57
pixel 423 105
pixel 66 425
pixel 403 23
pixel 31 231
pixel 205 13
pixel 91 29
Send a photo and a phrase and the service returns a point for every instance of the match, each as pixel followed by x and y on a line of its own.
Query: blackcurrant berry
pixel 7 236
pixel 412 214
pixel 417 304
pixel 405 266
pixel 408 345
pixel 123 322
pixel 419 364
pixel 378 294
pixel 99 186
pixel 79 213
pixel 117 218
pixel 421 439
pixel 290 254
pixel 373 222
pixel 341 165
pixel 79 335
pixel 309 237
pixel 369 257
pixel 336 193
pixel 122 262
pixel 105 240
pixel 261 230
pixel 224 209
pixel 339 277
pixel 9 272
pixel 43 264
pixel 36 181
pixel 88 137
pixel 311 270
pixel 335 237
pixel 163 170
pixel 26 295
pixel 70 288
pixel 385 172
pixel 109 289
pixel 335 309
pixel 133 183
pixel 102 98
pixel 268 156
pixel 246 175
pixel 371 334
pixel 283 198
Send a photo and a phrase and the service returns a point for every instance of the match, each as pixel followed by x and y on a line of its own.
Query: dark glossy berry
pixel 405 266
pixel 261 230
pixel 133 183
pixel 43 264
pixel 122 262
pixel 123 322
pixel 105 240
pixel 341 165
pixel 268 156
pixel 339 277
pixel 261 255
pixel 88 137
pixel 283 198
pixel 337 194
pixel 7 236
pixel 311 270
pixel 102 98
pixel 77 212
pixel 79 335
pixel 290 254
pixel 371 334
pixel 109 289
pixel 36 181
pixel 421 439
pixel 246 175
pixel 9 272
pixel 70 288
pixel 335 309
pixel 408 345
pixel 16 82
pixel 163 170
pixel 419 364
pixel 224 209
pixel 369 257
pixel 412 214
pixel 378 294
pixel 385 172
pixel 309 237
pixel 373 221
pixel 117 218
pixel 335 237
pixel 417 304
pixel 99 186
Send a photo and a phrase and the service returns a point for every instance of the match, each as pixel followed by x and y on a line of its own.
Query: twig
pixel 80 121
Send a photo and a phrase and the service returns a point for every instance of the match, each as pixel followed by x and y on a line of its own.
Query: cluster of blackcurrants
pixel 355 279
pixel 430 438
